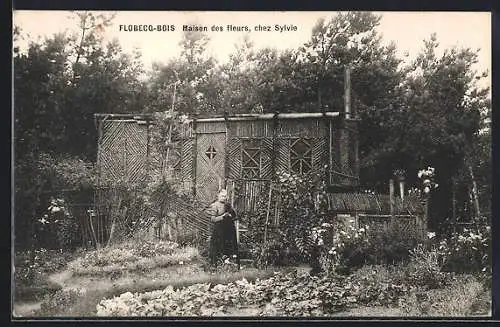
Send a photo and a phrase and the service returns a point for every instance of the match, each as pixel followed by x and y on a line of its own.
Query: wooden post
pixel 402 188
pixel 343 133
pixel 454 200
pixel 275 148
pixel 268 211
pixel 427 198
pixel 330 151
pixel 195 152
pixel 347 92
pixel 355 145
pixel 237 222
pixel 226 147
pixel 391 197
pixel 169 137
pixel 344 152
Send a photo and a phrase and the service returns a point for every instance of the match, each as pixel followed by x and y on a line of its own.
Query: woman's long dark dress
pixel 224 241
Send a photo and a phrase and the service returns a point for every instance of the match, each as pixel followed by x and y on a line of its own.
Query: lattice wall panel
pixel 136 151
pixel 282 154
pixel 234 158
pixel 376 224
pixel 123 151
pixel 209 165
pixel 300 155
pixel 111 151
pixel 266 159
pixel 319 153
pixel 187 160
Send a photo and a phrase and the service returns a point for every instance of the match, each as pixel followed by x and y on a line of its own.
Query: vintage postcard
pixel 251 164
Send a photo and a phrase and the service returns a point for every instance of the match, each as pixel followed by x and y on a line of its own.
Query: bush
pixel 57 228
pixel 37 176
pixel 276 253
pixel 395 245
pixel 302 206
pixel 346 248
pixel 468 251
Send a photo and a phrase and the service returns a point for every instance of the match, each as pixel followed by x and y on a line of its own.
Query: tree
pixel 317 79
pixel 240 79
pixel 59 83
pixel 194 74
pixel 437 121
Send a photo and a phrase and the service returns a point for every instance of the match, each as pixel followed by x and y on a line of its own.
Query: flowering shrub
pixel 57 224
pixel 341 246
pixel 346 247
pixel 424 269
pixel 427 176
pixel 302 204
pixel 276 252
pixel 468 251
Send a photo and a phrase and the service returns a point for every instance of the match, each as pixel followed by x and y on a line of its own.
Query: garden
pixel 317 268
pixel 163 279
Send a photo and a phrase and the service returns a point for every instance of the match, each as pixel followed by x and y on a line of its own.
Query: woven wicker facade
pixel 246 148
pixel 243 153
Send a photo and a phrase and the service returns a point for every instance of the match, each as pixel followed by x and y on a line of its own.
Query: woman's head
pixel 222 196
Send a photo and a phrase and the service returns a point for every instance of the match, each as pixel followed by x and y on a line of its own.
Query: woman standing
pixel 224 241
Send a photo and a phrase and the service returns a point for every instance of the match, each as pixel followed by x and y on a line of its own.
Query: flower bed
pixel 285 294
pixel 290 294
pixel 132 257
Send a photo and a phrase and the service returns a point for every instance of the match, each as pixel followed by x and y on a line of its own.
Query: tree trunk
pixel 117 212
pixel 112 231
pixel 475 195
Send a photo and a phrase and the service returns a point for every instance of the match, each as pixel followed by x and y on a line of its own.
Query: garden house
pixel 244 150
pixel 242 153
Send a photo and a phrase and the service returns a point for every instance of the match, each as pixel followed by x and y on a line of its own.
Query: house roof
pixel 236 117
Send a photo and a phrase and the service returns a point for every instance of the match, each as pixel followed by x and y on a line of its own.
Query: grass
pixel 35 291
pixel 456 300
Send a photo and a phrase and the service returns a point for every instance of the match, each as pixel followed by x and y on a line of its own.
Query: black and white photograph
pixel 331 164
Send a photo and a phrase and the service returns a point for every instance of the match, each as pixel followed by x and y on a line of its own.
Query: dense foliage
pixel 282 234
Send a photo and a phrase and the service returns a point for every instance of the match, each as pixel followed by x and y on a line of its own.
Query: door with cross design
pixel 210 165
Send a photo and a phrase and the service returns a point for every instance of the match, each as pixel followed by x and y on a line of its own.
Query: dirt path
pixel 29 308
pixel 26 309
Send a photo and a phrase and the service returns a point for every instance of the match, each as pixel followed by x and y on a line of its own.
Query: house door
pixel 210 164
